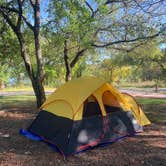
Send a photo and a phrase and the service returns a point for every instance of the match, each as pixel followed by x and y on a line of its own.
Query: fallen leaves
pixel 7 114
pixel 4 135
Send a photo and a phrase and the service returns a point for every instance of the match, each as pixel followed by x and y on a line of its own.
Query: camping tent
pixel 84 113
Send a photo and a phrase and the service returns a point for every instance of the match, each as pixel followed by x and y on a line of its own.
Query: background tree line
pixel 50 42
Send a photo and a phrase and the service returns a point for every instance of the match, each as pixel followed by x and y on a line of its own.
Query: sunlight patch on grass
pixel 26 89
pixel 17 101
pixel 151 100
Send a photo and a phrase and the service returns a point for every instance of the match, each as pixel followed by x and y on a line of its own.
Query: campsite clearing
pixel 148 148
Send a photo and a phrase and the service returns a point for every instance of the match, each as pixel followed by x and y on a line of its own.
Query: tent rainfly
pixel 84 113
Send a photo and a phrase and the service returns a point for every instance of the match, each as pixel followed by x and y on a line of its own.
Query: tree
pixel 4 75
pixel 150 60
pixel 13 12
pixel 77 28
pixel 71 25
pixel 120 25
pixel 9 61
pixel 160 59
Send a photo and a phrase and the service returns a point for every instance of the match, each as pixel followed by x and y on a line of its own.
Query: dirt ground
pixel 147 148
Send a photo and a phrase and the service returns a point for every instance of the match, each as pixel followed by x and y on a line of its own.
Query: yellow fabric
pixel 125 106
pixel 109 99
pixel 137 111
pixel 98 95
pixel 60 108
pixel 75 91
pixel 68 100
pixel 144 120
pixel 78 113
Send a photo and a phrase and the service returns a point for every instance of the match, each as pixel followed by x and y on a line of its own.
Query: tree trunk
pixel 68 76
pixel 39 91
pixel 36 76
pixel 37 40
pixel 67 64
pixel 38 86
pixel 156 86
pixel 35 80
pixel 2 84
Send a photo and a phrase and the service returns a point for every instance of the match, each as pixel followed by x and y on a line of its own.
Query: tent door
pixel 90 128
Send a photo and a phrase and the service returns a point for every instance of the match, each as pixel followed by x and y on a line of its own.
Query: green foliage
pixel 10 62
pixel 71 21
pixel 4 74
pixel 74 21
pixel 79 68
pixel 11 65
pixel 152 101
pixel 146 61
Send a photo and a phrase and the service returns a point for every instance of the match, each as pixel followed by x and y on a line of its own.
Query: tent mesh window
pixel 91 107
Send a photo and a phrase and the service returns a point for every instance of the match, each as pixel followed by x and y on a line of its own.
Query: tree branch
pixel 78 55
pixel 28 23
pixel 9 8
pixel 128 41
pixel 113 1
pixel 23 17
pixel 91 9
pixel 32 3
pixel 66 59
pixel 17 30
pixel 129 49
pixel 19 14
pixel 6 17
pixel 145 11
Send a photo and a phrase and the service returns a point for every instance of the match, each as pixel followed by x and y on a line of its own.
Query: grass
pixel 17 101
pixel 21 88
pixel 25 89
pixel 155 108
pixel 146 101
pixel 143 84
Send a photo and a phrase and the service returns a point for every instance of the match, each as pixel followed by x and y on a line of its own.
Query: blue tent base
pixel 34 137
pixel 29 135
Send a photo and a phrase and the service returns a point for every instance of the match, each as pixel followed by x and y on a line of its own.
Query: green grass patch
pixel 154 108
pixel 25 89
pixel 17 101
pixel 151 100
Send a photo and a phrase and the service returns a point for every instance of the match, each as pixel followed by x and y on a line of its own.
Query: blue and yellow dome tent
pixel 84 113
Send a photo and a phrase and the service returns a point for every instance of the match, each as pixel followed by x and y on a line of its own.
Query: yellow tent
pixel 86 112
pixel 71 97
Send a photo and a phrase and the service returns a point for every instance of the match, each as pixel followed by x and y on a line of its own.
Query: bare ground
pixel 148 148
